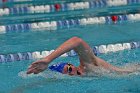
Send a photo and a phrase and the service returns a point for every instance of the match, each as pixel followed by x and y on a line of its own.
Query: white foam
pixel 133 66
pixel 23 74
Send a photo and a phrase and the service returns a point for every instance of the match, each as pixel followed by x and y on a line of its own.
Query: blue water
pixel 14 80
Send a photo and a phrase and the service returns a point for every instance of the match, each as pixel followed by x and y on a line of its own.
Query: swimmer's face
pixel 70 69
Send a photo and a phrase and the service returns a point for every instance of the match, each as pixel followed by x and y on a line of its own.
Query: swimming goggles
pixel 69 68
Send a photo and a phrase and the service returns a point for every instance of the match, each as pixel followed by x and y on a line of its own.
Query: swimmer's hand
pixel 38 66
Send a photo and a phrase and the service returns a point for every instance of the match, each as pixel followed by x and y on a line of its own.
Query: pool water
pixel 14 80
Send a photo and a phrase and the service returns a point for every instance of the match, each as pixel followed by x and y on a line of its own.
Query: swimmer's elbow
pixel 76 39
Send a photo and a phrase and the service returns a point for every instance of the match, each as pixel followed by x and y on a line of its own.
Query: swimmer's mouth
pixel 78 73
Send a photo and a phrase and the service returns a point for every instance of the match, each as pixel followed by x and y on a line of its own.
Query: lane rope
pixel 64 6
pixel 54 25
pixel 102 49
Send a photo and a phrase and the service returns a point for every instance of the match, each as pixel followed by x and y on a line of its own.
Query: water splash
pixel 24 75
pixel 95 74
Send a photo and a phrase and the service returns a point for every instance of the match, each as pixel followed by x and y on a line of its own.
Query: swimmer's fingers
pixel 31 70
pixel 39 62
pixel 34 64
pixel 34 70
pixel 37 67
pixel 38 71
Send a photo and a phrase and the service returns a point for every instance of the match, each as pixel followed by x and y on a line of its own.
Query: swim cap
pixel 57 67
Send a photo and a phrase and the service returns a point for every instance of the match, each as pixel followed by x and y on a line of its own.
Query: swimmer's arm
pixel 121 70
pixel 41 65
pixel 111 67
pixel 70 44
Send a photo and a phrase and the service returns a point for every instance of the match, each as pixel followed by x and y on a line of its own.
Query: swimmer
pixel 88 61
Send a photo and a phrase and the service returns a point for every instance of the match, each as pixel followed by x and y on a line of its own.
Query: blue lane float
pixel 102 49
pixel 18 28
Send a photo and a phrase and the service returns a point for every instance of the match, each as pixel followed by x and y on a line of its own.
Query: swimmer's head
pixel 57 67
pixel 65 68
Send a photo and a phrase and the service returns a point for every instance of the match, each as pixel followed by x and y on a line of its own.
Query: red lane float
pixel 114 18
pixel 57 7
pixel 4 1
